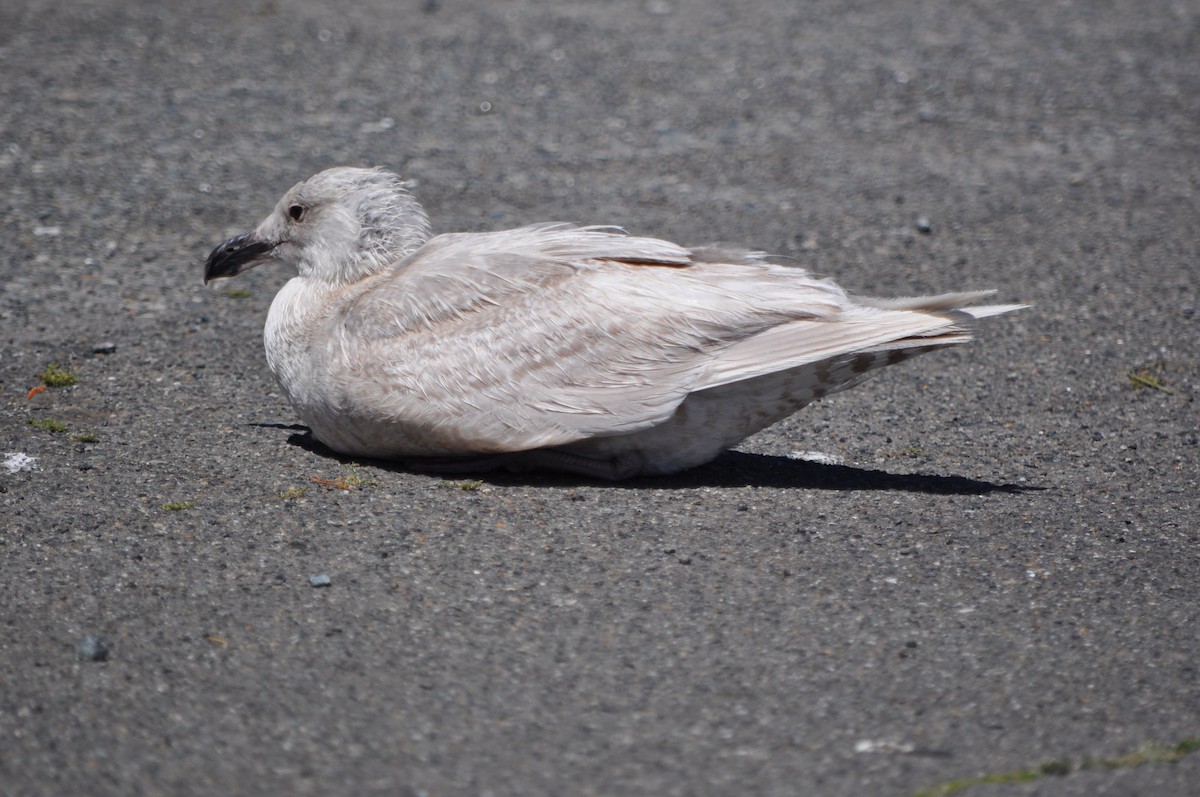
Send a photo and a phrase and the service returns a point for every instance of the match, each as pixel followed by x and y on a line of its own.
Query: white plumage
pixel 576 348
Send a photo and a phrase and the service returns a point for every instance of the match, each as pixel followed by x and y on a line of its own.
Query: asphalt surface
pixel 1002 572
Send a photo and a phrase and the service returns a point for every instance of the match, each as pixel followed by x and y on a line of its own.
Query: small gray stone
pixel 92 648
pixel 923 226
pixel 107 347
pixel 321 580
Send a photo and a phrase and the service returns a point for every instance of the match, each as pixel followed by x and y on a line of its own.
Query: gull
pixel 573 348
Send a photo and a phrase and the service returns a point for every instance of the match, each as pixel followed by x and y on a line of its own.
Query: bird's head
pixel 337 226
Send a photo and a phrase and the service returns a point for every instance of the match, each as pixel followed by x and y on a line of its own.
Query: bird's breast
pixel 288 334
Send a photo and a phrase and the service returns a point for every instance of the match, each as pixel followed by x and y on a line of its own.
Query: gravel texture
pixel 1001 572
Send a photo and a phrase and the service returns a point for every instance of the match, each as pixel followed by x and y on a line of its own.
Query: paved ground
pixel 1002 573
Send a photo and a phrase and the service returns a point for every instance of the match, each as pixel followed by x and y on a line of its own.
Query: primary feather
pixel 578 348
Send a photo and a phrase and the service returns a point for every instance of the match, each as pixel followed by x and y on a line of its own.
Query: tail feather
pixel 986 311
pixel 871 327
pixel 928 304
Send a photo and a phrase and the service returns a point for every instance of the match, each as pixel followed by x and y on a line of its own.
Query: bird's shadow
pixel 731 469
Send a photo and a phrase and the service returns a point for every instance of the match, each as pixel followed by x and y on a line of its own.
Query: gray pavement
pixel 1002 573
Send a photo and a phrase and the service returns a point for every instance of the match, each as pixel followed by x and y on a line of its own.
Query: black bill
pixel 235 256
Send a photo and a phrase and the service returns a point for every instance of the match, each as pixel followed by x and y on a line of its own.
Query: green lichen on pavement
pixel 1149 375
pixel 51 425
pixel 55 375
pixel 1147 754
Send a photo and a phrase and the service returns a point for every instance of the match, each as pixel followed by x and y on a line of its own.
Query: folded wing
pixel 551 334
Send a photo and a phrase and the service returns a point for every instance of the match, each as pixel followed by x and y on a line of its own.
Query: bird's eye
pixel 296 212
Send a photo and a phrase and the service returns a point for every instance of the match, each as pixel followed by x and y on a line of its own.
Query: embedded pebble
pixel 107 347
pixel 17 461
pixel 923 226
pixel 92 648
pixel 320 581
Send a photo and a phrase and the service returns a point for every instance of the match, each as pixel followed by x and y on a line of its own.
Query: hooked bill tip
pixel 235 256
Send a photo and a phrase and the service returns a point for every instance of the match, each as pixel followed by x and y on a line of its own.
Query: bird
pixel 580 349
